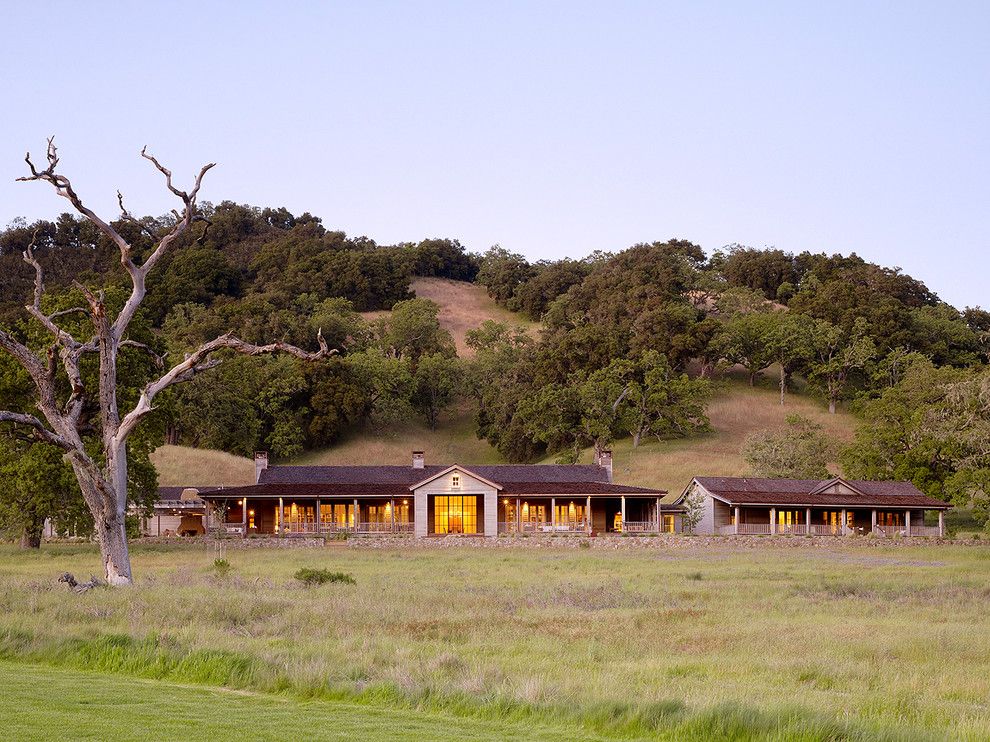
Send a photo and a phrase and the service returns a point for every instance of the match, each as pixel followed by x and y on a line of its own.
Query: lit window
pixel 455 481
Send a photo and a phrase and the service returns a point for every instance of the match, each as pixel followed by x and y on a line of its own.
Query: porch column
pixel 941 523
pixel 553 514
pixel 737 519
pixel 842 530
pixel 807 521
pixel 659 519
pixel 244 517
pixel 587 515
pixel 357 516
pixel 318 529
pixel 773 521
pixel 518 514
pixel 281 515
pixel 873 521
pixel 391 509
pixel 907 522
pixel 623 529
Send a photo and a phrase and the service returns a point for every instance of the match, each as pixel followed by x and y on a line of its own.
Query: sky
pixel 551 128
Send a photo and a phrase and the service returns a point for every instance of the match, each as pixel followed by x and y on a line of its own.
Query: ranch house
pixel 834 507
pixel 437 500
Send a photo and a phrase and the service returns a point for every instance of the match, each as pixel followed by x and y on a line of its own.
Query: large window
pixel 455 514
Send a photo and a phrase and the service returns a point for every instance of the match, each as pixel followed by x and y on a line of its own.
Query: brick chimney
pixel 605 462
pixel 419 460
pixel 260 464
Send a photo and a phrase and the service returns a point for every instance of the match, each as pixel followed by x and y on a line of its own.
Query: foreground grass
pixel 41 703
pixel 862 643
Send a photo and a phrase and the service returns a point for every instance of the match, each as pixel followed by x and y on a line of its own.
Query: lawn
pixel 651 639
pixel 42 703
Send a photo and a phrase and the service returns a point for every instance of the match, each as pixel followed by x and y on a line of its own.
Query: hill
pixel 736 411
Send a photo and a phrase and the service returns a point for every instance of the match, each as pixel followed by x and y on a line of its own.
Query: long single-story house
pixel 748 505
pixel 435 500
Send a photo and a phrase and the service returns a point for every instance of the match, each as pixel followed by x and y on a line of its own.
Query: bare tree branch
pixel 159 360
pixel 193 364
pixel 38 428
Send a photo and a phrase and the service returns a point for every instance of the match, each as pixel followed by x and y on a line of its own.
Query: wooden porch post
pixel 873 521
pixel 518 515
pixel 941 523
pixel 357 516
pixel 587 515
pixel 773 521
pixel 659 520
pixel 553 514
pixel 623 521
pixel 737 520
pixel 244 517
pixel 842 530
pixel 907 522
pixel 281 515
pixel 807 521
pixel 392 511
pixel 319 528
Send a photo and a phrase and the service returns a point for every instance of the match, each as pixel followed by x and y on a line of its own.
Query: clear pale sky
pixel 553 129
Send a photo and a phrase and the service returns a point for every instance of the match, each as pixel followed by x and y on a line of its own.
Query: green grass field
pixel 655 639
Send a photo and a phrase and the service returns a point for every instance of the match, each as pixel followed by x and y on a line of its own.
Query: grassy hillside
pixel 736 411
pixel 463 306
pixel 181 466
pixel 453 441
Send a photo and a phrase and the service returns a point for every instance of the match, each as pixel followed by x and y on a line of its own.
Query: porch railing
pixel 827 529
pixel 923 531
pixel 640 526
pixel 792 529
pixel 579 526
pixel 754 529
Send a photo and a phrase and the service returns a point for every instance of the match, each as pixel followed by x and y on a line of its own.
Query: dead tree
pixel 103 479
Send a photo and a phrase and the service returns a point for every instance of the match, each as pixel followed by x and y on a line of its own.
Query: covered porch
pixel 569 514
pixel 828 521
pixel 292 516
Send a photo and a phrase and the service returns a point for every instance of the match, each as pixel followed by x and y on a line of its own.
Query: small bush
pixel 311 577
pixel 221 567
pixel 585 544
pixel 696 576
pixel 339 536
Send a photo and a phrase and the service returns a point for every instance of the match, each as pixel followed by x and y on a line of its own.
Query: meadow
pixel 626 639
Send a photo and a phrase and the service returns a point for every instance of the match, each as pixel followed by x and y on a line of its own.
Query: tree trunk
pixel 831 406
pixel 30 539
pixel 112 535
pixel 783 383
pixel 636 437
pixel 752 378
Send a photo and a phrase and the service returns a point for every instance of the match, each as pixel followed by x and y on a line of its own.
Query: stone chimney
pixel 605 462
pixel 419 460
pixel 260 464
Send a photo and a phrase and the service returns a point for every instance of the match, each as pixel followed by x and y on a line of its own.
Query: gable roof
pixel 454 467
pixel 805 492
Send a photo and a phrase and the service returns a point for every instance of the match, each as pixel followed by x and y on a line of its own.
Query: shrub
pixel 696 576
pixel 585 544
pixel 221 567
pixel 312 577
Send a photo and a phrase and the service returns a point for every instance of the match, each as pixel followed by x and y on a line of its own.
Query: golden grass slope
pixel 182 466
pixel 463 306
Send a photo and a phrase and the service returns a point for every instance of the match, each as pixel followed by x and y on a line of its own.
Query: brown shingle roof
pixel 759 491
pixel 394 481
pixel 503 474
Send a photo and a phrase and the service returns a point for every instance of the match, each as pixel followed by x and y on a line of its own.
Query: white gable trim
pixel 832 483
pixel 448 470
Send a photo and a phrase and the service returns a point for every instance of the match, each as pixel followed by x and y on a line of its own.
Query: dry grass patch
pixel 454 440
pixel 736 411
pixel 180 466
pixel 463 306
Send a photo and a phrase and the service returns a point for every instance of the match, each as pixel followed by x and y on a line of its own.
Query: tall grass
pixel 788 643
